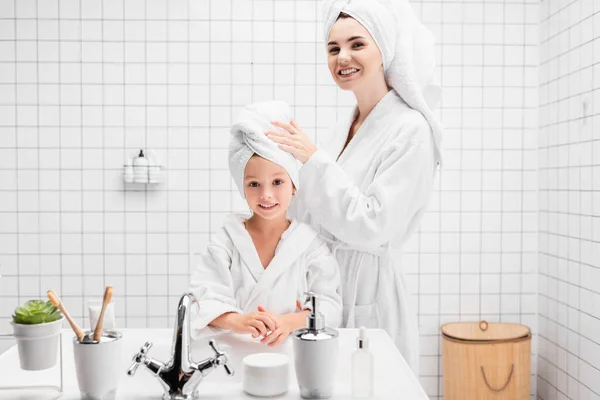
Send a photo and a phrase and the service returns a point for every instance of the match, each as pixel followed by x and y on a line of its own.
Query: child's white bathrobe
pixel 368 203
pixel 231 278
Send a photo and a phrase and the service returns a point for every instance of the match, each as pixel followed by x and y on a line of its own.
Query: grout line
pixel 82 169
pixel 18 258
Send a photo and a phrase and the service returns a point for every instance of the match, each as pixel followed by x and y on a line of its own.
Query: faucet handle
pixel 220 357
pixel 139 358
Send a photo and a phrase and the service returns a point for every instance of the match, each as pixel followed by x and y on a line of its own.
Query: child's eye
pixel 253 184
pixel 334 50
pixel 278 182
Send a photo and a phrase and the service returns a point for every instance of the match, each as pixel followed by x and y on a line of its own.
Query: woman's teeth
pixel 267 206
pixel 348 71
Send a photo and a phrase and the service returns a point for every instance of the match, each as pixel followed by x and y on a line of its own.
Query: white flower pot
pixel 37 344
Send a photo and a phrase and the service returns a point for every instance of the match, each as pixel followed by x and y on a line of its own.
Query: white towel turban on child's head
pixel 407 48
pixel 248 138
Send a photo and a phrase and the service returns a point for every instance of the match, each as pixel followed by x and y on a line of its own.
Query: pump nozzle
pixel 314 320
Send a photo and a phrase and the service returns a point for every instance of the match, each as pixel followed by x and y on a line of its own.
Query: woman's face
pixel 354 59
pixel 267 187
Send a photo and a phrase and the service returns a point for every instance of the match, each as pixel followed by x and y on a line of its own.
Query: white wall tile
pixel 572 259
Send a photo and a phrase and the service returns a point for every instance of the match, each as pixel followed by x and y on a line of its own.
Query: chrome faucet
pixel 181 376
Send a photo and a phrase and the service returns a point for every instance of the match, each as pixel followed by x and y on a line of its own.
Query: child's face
pixel 267 187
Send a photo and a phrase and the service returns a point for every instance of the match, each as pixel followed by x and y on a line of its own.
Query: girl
pixel 256 267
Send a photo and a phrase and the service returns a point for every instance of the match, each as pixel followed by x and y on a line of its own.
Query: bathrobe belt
pixel 355 269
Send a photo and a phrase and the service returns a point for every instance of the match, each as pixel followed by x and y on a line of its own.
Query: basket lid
pixel 485 331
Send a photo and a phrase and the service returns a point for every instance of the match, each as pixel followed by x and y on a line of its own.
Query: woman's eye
pixel 357 45
pixel 277 182
pixel 334 50
pixel 253 184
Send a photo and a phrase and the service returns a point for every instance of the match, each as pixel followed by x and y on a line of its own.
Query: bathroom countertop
pixel 393 378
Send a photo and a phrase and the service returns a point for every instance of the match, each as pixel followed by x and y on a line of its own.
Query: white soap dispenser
pixel 315 354
pixel 362 367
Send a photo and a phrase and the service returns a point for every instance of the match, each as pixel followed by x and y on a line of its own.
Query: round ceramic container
pixel 266 374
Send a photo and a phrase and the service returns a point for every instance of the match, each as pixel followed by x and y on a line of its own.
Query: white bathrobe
pixel 231 277
pixel 367 204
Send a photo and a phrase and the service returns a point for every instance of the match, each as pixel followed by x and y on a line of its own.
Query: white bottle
pixel 362 367
pixel 140 168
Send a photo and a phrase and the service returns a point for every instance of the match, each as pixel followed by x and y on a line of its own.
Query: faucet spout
pixel 181 376
pixel 178 375
pixel 180 352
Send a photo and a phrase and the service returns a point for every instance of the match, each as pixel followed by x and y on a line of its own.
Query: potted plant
pixel 36 326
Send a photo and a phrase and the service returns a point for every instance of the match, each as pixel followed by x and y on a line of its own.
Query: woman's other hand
pixel 293 140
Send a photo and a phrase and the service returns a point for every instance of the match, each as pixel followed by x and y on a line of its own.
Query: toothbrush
pixel 107 298
pixel 54 299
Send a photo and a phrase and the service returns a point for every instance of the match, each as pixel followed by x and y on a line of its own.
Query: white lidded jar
pixel 362 367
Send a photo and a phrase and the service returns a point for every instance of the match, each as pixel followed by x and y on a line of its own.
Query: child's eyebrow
pixel 275 174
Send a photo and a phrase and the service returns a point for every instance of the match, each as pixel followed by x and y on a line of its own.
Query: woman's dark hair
pixel 343 15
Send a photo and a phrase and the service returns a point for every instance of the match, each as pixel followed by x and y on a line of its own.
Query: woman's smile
pixel 346 73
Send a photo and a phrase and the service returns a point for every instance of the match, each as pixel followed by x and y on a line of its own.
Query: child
pixel 255 268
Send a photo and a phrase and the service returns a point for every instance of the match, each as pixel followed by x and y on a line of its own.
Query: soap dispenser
pixel 315 354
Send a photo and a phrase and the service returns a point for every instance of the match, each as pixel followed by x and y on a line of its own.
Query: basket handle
pixel 512 368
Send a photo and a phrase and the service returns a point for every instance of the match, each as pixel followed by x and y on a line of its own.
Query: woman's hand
pixel 255 323
pixel 285 324
pixel 293 140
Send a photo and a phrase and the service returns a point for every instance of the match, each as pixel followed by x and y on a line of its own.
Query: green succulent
pixel 36 312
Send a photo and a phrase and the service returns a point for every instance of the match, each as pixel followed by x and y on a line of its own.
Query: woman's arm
pixel 386 207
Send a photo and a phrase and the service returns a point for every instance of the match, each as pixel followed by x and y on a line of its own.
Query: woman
pixel 367 190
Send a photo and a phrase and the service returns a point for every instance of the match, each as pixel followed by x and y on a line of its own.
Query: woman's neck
pixel 267 226
pixel 368 98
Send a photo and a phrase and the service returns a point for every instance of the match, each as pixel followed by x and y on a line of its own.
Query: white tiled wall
pixel 569 140
pixel 84 83
pixel 476 254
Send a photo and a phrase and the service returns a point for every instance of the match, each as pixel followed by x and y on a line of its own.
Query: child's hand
pixel 255 323
pixel 285 324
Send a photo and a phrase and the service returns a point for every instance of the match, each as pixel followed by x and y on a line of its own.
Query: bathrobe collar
pixel 382 109
pixel 293 243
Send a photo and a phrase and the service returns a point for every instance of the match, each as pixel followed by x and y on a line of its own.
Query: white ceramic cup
pixel 94 308
pixel 99 366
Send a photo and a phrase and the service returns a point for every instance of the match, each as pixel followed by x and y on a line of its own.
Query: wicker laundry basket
pixel 486 361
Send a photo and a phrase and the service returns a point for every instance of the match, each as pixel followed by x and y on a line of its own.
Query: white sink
pixel 392 375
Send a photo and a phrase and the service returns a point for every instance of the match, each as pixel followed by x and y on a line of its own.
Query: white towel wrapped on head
pixel 407 48
pixel 248 138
